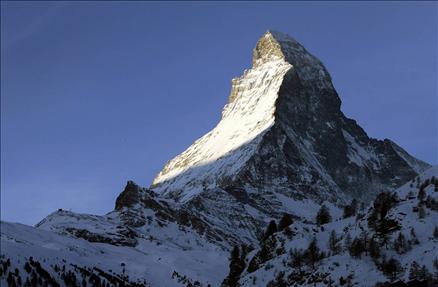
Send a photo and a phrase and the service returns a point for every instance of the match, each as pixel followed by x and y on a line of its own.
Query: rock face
pixel 282 146
pixel 282 139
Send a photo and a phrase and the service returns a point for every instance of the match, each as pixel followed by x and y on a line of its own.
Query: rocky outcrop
pixel 130 196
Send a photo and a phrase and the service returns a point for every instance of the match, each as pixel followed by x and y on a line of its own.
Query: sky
pixel 97 93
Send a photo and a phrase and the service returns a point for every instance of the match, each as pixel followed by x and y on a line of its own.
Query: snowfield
pixel 149 261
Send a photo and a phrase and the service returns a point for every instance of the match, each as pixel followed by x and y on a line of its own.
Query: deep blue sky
pixel 94 94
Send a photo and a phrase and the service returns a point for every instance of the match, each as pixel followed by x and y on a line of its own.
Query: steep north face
pixel 283 133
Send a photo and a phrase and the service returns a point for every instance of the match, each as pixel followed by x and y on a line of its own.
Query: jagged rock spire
pixel 266 49
pixel 283 130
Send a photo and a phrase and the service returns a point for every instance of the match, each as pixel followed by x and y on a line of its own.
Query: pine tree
pixel 374 249
pixel 285 221
pixel 421 194
pixel 414 271
pixel 334 242
pixel 27 267
pixel 364 238
pixel 414 238
pixel 313 254
pixel 435 232
pixel 381 206
pixel 435 265
pixel 11 280
pixel 237 265
pixel 421 212
pixel 297 259
pixel 266 253
pixel 392 269
pixel 357 248
pixel 400 244
pixel 349 280
pixel 323 215
pixel 347 242
pixel 423 273
pixel 270 230
pixel 350 209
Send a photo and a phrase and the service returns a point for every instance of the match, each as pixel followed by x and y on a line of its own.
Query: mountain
pixel 282 129
pixel 282 146
pixel 282 142
pixel 363 248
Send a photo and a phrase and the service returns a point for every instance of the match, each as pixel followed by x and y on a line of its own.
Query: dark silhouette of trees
pixel 414 271
pixel 270 230
pixel 237 265
pixel 421 193
pixel 357 248
pixel 421 212
pixel 323 216
pixel 334 244
pixel 285 221
pixel 374 249
pixel 401 245
pixel 435 232
pixel 347 242
pixel 377 220
pixel 297 259
pixel 350 209
pixel 313 254
pixel 414 239
pixel 392 269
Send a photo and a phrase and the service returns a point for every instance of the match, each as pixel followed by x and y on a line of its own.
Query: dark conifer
pixel 400 244
pixel 392 269
pixel 285 221
pixel 297 259
pixel 237 265
pixel 374 249
pixel 323 215
pixel 270 230
pixel 334 243
pixel 350 209
pixel 313 254
pixel 357 248
pixel 421 193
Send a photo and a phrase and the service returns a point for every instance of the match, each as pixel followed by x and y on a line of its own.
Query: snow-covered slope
pixel 156 254
pixel 420 245
pixel 224 150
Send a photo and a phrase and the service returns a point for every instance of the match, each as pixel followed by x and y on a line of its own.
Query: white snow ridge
pixel 284 191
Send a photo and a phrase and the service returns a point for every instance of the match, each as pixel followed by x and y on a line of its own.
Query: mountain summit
pixel 283 134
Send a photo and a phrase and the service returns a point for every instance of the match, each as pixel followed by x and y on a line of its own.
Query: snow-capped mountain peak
pixel 277 131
